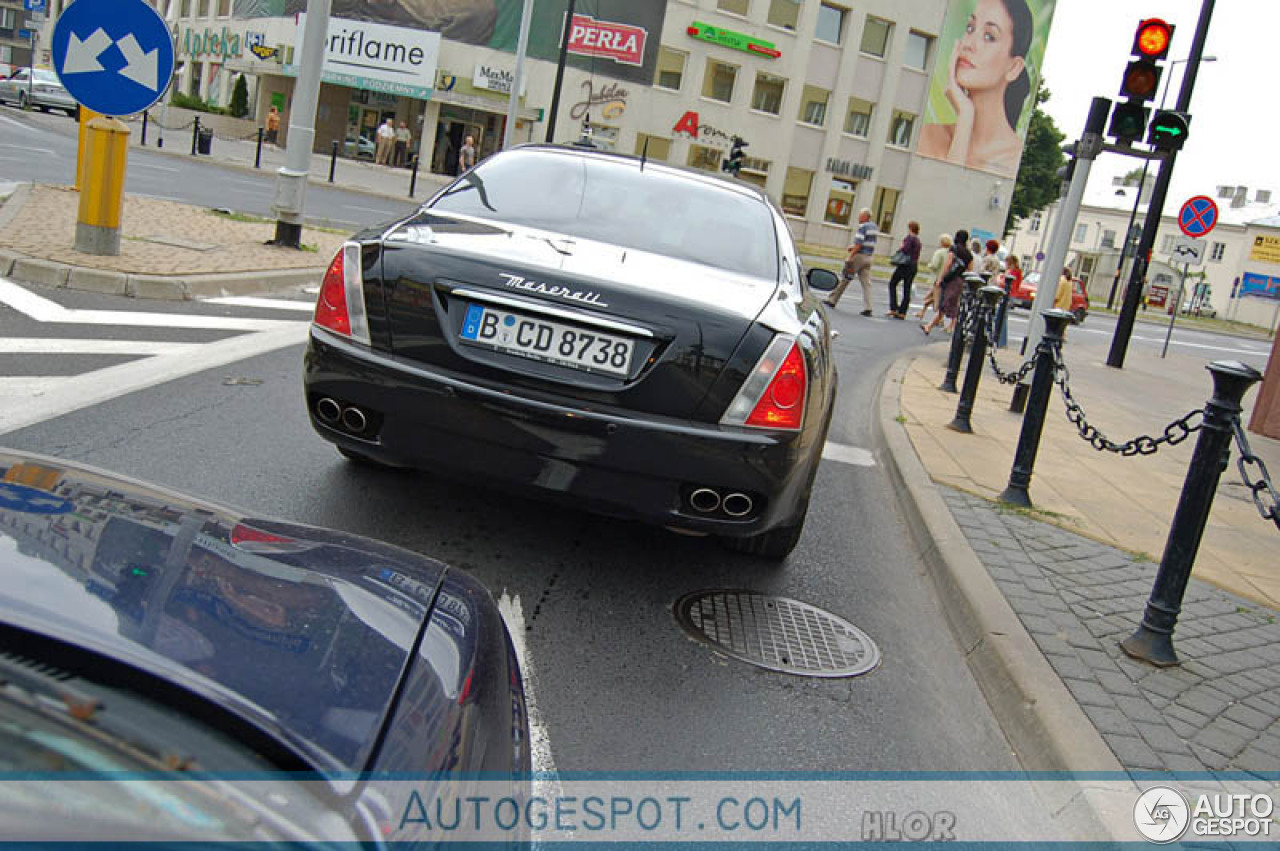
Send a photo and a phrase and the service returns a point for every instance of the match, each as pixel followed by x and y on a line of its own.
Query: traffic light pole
pixel 1155 208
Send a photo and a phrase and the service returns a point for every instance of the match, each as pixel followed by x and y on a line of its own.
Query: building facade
pixel 830 96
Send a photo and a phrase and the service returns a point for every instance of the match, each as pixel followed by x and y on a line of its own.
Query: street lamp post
pixel 1142 182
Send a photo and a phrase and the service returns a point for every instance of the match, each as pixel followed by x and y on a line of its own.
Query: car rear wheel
pixel 364 460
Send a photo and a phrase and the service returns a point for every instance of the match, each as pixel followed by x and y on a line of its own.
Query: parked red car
pixel 1025 292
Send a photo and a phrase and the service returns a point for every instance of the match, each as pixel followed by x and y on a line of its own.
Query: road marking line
pixel 154 167
pixel 539 741
pixel 268 303
pixel 53 346
pixel 43 310
pixel 381 212
pixel 27 149
pixel 19 125
pixel 846 454
pixel 102 385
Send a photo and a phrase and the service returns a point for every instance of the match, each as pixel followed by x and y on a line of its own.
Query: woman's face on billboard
pixel 985 59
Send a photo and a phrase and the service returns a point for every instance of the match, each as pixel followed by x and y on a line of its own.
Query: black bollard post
pixel 333 160
pixel 257 157
pixel 144 128
pixel 956 355
pixel 1024 458
pixel 413 178
pixel 977 354
pixel 195 134
pixel 1152 641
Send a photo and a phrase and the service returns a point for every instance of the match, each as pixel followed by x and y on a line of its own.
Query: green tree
pixel 240 98
pixel 1038 183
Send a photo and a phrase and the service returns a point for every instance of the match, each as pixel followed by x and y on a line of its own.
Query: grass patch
pixel 1035 513
pixel 240 217
pixel 900 418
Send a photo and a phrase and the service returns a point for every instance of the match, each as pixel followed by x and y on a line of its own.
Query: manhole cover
pixel 777 633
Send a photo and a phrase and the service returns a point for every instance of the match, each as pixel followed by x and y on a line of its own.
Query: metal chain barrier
pixel 1262 490
pixel 1017 376
pixel 251 137
pixel 1174 433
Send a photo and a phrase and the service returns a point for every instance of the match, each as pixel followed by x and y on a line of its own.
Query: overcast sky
pixel 1235 131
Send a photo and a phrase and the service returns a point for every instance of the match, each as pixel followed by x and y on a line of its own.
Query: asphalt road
pixel 42 149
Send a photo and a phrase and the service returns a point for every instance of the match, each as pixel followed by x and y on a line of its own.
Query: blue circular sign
pixel 1198 216
pixel 114 56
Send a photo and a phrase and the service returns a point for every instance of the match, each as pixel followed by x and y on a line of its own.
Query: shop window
pixel 707 159
pixel 784 13
pixel 754 171
pixel 795 191
pixel 884 207
pixel 858 121
pixel 813 106
pixel 919 46
pixel 718 84
pixel 658 147
pixel 670 70
pixel 875 37
pixel 840 202
pixel 767 96
pixel 830 24
pixel 735 7
pixel 901 128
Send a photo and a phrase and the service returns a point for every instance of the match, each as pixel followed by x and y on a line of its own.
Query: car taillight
pixel 773 395
pixel 340 307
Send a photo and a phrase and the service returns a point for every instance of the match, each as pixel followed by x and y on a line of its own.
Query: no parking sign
pixel 1198 216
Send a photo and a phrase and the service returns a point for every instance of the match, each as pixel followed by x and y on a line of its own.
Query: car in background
pixel 39 88
pixel 361 148
pixel 1025 293
pixel 628 337
pixel 149 634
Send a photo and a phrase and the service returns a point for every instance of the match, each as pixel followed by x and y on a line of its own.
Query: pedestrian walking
pixel 951 284
pixel 1012 282
pixel 934 269
pixel 402 144
pixel 906 263
pixel 858 265
pixel 384 144
pixel 467 155
pixel 273 125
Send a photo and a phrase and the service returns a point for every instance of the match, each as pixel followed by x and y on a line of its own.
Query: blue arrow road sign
pixel 1198 216
pixel 27 500
pixel 114 56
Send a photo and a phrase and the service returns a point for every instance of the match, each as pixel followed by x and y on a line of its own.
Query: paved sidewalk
pixel 1041 598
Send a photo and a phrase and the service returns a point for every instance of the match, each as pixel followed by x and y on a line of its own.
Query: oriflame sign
pixel 620 42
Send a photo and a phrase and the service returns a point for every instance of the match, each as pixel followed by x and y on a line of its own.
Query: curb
pixel 1042 721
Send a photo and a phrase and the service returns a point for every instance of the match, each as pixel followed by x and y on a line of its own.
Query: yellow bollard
pixel 86 115
pixel 102 189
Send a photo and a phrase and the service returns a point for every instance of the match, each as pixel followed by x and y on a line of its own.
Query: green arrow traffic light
pixel 1168 130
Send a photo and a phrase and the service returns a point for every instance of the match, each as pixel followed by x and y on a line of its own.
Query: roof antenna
pixel 644 152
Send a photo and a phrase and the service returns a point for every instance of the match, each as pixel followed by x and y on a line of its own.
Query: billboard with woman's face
pixel 984 83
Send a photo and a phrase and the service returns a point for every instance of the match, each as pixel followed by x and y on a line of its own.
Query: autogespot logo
pixel 1162 814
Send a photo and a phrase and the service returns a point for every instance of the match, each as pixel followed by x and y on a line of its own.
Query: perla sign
pixel 376 57
pixel 497 80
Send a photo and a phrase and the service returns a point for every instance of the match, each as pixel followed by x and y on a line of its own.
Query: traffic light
pixel 1168 131
pixel 1068 171
pixel 1141 80
pixel 737 154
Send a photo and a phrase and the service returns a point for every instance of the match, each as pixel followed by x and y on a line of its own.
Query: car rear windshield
pixel 45 76
pixel 615 201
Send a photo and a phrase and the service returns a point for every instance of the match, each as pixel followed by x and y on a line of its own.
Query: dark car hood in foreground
pixel 303 632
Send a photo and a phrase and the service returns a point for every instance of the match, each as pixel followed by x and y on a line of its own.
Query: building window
pixel 186 8
pixel 900 129
pixel 224 8
pixel 1037 218
pixel 767 96
pixel 203 9
pixel 1263 196
pixel 8 20
pixel 840 202
pixel 1166 242
pixel 919 46
pixel 657 148
pixel 735 7
pixel 858 122
pixel 885 205
pixel 1108 239
pixel 875 37
pixel 1082 233
pixel 784 13
pixel 707 159
pixel 830 24
pixel 795 191
pixel 670 70
pixel 1217 252
pixel 718 84
pixel 813 106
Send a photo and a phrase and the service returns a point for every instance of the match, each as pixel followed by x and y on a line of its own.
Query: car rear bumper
pixel 617 463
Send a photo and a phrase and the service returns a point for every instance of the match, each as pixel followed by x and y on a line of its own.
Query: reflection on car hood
pixel 302 631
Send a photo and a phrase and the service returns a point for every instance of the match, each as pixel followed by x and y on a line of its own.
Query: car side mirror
pixel 823 280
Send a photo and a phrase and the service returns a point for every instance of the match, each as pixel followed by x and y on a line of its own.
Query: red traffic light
pixel 1140 80
pixel 1152 39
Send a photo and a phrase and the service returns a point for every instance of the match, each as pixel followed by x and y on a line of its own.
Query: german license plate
pixel 544 340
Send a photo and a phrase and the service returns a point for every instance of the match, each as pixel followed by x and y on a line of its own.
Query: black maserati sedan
pixel 637 339
pixel 171 670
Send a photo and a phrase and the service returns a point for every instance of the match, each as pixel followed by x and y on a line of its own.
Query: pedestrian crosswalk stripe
pixel 54 346
pixel 268 303
pixel 846 454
